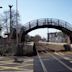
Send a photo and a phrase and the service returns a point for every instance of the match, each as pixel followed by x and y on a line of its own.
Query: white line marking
pixel 45 59
pixel 43 66
pixel 61 62
pixel 56 53
pixel 70 61
pixel 66 58
pixel 61 53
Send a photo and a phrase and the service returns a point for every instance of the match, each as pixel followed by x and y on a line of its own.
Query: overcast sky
pixel 36 9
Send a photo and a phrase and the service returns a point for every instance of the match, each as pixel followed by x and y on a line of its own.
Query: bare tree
pixel 37 38
pixel 0 25
pixel 6 20
pixel 0 30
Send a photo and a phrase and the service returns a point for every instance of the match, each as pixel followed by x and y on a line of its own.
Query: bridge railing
pixel 48 21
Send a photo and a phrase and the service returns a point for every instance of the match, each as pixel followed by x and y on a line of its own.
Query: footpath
pixel 7 64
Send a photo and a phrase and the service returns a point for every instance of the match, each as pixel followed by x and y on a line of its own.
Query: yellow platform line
pixel 6 67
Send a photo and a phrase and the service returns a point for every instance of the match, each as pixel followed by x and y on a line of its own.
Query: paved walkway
pixel 8 64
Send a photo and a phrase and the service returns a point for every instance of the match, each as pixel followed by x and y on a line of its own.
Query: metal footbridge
pixel 46 23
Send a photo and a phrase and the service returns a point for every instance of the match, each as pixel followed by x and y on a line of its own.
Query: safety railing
pixel 48 21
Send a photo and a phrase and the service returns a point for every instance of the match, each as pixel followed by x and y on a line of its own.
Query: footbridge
pixel 62 25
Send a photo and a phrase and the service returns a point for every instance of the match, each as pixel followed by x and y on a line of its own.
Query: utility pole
pixel 0 6
pixel 10 6
pixel 16 22
pixel 47 35
pixel 19 52
pixel 0 25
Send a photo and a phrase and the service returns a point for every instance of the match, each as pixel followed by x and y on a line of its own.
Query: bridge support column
pixel 68 40
pixel 71 39
pixel 68 46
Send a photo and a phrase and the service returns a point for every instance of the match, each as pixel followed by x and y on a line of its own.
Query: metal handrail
pixel 50 21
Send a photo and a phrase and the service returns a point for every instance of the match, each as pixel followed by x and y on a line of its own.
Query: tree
pixel 37 38
pixel 27 38
pixel 43 39
pixel 15 27
pixel 0 25
pixel 6 20
pixel 22 34
pixel 0 30
pixel 19 51
pixel 31 38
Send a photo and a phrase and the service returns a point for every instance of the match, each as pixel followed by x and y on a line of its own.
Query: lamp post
pixel 1 7
pixel 10 6
pixel 47 35
pixel 0 25
pixel 16 59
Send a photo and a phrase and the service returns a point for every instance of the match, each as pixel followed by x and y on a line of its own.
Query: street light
pixel 1 7
pixel 10 6
pixel 0 27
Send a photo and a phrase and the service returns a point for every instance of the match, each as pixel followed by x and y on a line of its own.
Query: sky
pixel 36 9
